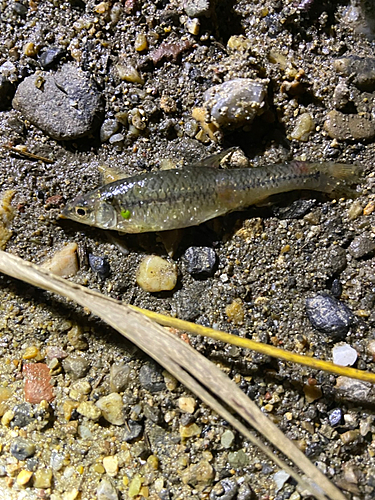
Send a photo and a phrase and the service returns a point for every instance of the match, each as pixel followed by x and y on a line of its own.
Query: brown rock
pixel 349 127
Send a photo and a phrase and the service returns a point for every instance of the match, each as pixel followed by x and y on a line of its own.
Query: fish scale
pixel 177 198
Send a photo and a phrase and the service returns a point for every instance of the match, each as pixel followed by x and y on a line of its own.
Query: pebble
pixel 345 127
pixel 238 459
pixel 106 490
pixel 363 69
pixel 22 448
pixel 64 262
pixel 134 430
pixel 335 416
pixel 127 72
pixel 352 389
pixel 89 410
pixel 112 407
pixel 187 404
pixel 355 210
pixel 37 383
pixel 303 127
pixel 24 477
pixel 151 378
pixel 227 439
pixel 155 274
pixel 197 8
pixel 336 288
pixel 108 128
pixel 50 57
pixel 361 246
pixel 280 478
pixel 200 261
pixel 341 95
pixel 65 104
pixel 344 355
pixel 329 315
pixel 110 465
pixel 235 102
pixel 76 366
pixel 6 93
pixel 99 265
pixel 77 339
pixel 23 415
pixel 198 475
pixel 226 489
pixel 235 312
pixel 190 430
pixel 119 377
pixel 350 436
pixel 42 478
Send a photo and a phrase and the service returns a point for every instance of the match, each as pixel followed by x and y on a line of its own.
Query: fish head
pixel 92 211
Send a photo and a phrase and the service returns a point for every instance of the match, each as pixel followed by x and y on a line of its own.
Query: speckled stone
pixel 76 366
pixel 329 315
pixel 151 378
pixel 361 246
pixel 22 448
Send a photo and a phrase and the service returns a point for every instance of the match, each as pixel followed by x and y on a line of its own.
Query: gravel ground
pixel 117 426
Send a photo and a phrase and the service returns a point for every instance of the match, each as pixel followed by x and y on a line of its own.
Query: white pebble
pixel 156 274
pixel 344 355
pixel 280 478
pixel 64 262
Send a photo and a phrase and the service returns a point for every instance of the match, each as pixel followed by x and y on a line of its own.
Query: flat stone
pixel 344 127
pixel 133 432
pixel 200 261
pixel 65 104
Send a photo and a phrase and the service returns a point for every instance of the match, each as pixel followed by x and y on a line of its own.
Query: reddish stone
pixel 37 383
pixel 170 50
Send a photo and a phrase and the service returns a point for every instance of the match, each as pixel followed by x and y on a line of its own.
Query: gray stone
pixel 235 102
pixel 99 265
pixel 200 261
pixel 226 489
pixel 50 57
pixel 150 377
pixel 66 104
pixel 134 431
pixel 344 127
pixel 335 416
pixel 296 210
pixel 361 246
pixel 22 448
pixel 76 366
pixel 362 69
pixel 108 128
pixel 329 315
pixel 23 415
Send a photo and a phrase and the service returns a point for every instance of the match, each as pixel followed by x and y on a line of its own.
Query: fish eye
pixel 80 211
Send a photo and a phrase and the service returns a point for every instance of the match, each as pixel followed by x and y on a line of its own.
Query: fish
pixel 189 196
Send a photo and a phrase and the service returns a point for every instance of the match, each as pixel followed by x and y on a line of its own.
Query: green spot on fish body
pixel 125 214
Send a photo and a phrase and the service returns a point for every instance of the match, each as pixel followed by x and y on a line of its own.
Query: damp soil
pixel 269 259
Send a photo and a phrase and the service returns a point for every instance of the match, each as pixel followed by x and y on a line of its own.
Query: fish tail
pixel 338 179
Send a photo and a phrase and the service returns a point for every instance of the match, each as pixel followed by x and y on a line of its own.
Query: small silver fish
pixel 174 199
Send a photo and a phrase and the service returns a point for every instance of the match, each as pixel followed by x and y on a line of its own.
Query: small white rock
pixel 280 478
pixel 156 274
pixel 344 355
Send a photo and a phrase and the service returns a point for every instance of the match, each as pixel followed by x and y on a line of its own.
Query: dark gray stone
pixel 200 261
pixel 296 210
pixel 99 265
pixel 361 246
pixel 23 415
pixel 22 448
pixel 335 261
pixel 6 93
pixel 336 288
pixel 76 366
pixel 226 489
pixel 134 431
pixel 329 315
pixel 151 378
pixel 66 104
pixel 50 57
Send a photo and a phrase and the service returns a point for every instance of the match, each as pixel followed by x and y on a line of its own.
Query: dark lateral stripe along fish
pixel 178 198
